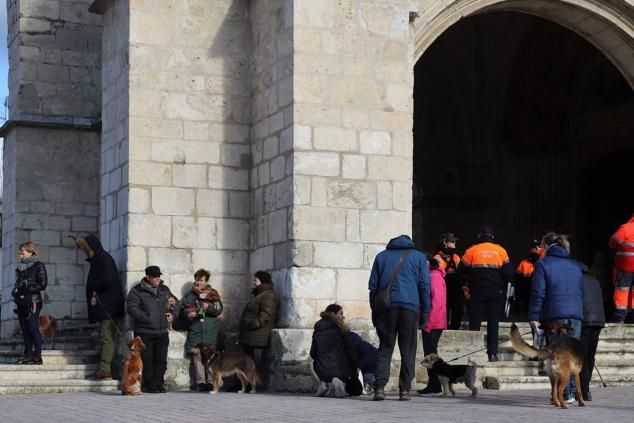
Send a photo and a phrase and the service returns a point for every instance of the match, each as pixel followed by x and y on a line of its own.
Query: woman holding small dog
pixel 201 306
pixel 334 352
pixel 30 281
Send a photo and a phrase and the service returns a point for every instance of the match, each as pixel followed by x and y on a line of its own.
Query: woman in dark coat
pixel 201 306
pixel 30 281
pixel 334 352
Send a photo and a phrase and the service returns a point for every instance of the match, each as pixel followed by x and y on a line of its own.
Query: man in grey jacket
pixel 148 307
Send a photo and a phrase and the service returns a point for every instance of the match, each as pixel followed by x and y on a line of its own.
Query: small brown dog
pixel 223 364
pixel 451 374
pixel 48 327
pixel 133 368
pixel 171 305
pixel 562 357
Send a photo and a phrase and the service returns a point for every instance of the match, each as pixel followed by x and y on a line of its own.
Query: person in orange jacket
pixel 623 242
pixel 488 270
pixel 524 274
pixel 448 260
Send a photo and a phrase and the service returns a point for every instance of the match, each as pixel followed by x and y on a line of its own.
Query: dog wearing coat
pixel 452 374
pixel 133 368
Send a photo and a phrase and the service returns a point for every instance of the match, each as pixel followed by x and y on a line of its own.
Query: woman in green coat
pixel 201 306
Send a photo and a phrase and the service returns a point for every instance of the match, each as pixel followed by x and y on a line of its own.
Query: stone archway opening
pixel 522 123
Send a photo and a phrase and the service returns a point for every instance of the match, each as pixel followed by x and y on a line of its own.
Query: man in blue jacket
pixel 409 300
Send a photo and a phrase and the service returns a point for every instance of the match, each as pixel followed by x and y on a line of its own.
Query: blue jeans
pixel 575 325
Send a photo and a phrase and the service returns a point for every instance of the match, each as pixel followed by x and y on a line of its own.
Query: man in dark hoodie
pixel 104 294
pixel 148 307
pixel 593 322
pixel 407 271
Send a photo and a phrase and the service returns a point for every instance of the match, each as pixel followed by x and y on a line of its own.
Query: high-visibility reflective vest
pixel 525 268
pixel 487 265
pixel 623 242
pixel 448 262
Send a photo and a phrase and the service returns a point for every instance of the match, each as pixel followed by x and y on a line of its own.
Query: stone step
pixel 54 356
pixel 614 352
pixel 61 343
pixel 45 371
pixel 542 382
pixel 37 386
pixel 531 368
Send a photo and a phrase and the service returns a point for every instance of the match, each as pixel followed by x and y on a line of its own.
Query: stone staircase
pixel 64 368
pixel 614 358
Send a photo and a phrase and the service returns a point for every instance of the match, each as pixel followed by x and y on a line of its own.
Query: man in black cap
pixel 449 260
pixel 488 270
pixel 148 307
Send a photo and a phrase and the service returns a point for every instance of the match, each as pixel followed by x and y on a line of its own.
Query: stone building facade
pixel 232 135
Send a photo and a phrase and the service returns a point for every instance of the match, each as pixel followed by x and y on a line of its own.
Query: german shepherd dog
pixel 133 368
pixel 223 364
pixel 562 357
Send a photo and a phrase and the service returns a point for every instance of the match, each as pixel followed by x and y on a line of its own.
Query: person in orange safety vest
pixel 623 242
pixel 448 260
pixel 524 274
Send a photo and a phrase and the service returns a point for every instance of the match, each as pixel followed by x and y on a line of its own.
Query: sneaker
pixel 340 388
pixel 404 396
pixel 379 394
pixel 429 391
pixel 569 400
pixel 324 388
pixel 368 389
pixel 100 375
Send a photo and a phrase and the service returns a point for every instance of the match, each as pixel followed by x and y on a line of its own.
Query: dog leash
pixel 600 377
pixel 482 349
pixel 108 315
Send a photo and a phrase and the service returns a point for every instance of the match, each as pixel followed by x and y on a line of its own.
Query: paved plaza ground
pixel 609 405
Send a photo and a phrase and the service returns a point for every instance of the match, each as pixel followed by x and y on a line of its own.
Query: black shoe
pixel 202 387
pixel 161 390
pixel 586 396
pixel 493 358
pixel 404 396
pixel 209 387
pixel 379 394
pixel 429 391
pixel 150 390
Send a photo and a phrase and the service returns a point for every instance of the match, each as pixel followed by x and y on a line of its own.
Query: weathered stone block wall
pixel 352 149
pixel 189 123
pixel 55 49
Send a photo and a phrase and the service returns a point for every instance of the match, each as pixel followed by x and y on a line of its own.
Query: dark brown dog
pixel 223 364
pixel 48 327
pixel 451 374
pixel 133 368
pixel 562 357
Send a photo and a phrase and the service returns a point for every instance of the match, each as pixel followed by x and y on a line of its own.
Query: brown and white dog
pixel 133 368
pixel 451 374
pixel 223 364
pixel 562 357
pixel 48 327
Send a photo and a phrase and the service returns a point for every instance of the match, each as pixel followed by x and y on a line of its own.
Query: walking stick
pixel 600 377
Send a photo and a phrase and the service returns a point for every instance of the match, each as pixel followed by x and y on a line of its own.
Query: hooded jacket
pixel 410 290
pixel 258 317
pixel 438 310
pixel 623 242
pixel 103 279
pixel 593 312
pixel 333 349
pixel 557 291
pixel 206 330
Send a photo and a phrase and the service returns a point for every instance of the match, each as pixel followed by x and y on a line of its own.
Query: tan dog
pixel 133 368
pixel 171 305
pixel 48 327
pixel 562 357
pixel 223 364
pixel 451 374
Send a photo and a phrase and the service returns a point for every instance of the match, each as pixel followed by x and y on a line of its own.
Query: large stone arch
pixel 607 24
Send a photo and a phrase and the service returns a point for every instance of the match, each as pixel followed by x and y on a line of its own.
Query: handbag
pixel 382 298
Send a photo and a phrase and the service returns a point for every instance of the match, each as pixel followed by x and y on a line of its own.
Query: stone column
pixel 51 148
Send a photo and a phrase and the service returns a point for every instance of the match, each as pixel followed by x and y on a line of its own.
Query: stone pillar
pixel 51 149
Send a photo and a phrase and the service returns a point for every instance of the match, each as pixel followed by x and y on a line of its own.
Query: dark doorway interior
pixel 522 124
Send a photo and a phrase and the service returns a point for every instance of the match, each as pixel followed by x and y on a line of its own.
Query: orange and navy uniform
pixel 487 268
pixel 525 269
pixel 623 242
pixel 448 262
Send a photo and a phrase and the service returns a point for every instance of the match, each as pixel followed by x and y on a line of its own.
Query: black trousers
pixel 30 325
pixel 258 354
pixel 154 358
pixel 455 301
pixel 488 305
pixel 430 346
pixel 402 324
pixel 590 340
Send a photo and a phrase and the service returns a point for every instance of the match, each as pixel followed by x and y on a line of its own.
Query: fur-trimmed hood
pixel 330 319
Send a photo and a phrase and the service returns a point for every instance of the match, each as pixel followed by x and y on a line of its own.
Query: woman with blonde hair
pixel 30 281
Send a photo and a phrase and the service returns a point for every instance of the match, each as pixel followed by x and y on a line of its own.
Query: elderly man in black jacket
pixel 104 294
pixel 148 307
pixel 593 322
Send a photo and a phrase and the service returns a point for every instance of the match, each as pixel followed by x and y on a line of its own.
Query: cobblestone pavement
pixel 609 405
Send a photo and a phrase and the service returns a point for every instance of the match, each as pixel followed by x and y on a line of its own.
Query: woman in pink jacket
pixel 437 322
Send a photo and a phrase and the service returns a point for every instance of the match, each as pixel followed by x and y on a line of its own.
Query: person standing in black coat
pixel 333 351
pixel 30 281
pixel 593 322
pixel 104 295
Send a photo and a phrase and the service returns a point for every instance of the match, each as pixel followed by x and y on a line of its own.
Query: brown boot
pixel 100 375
